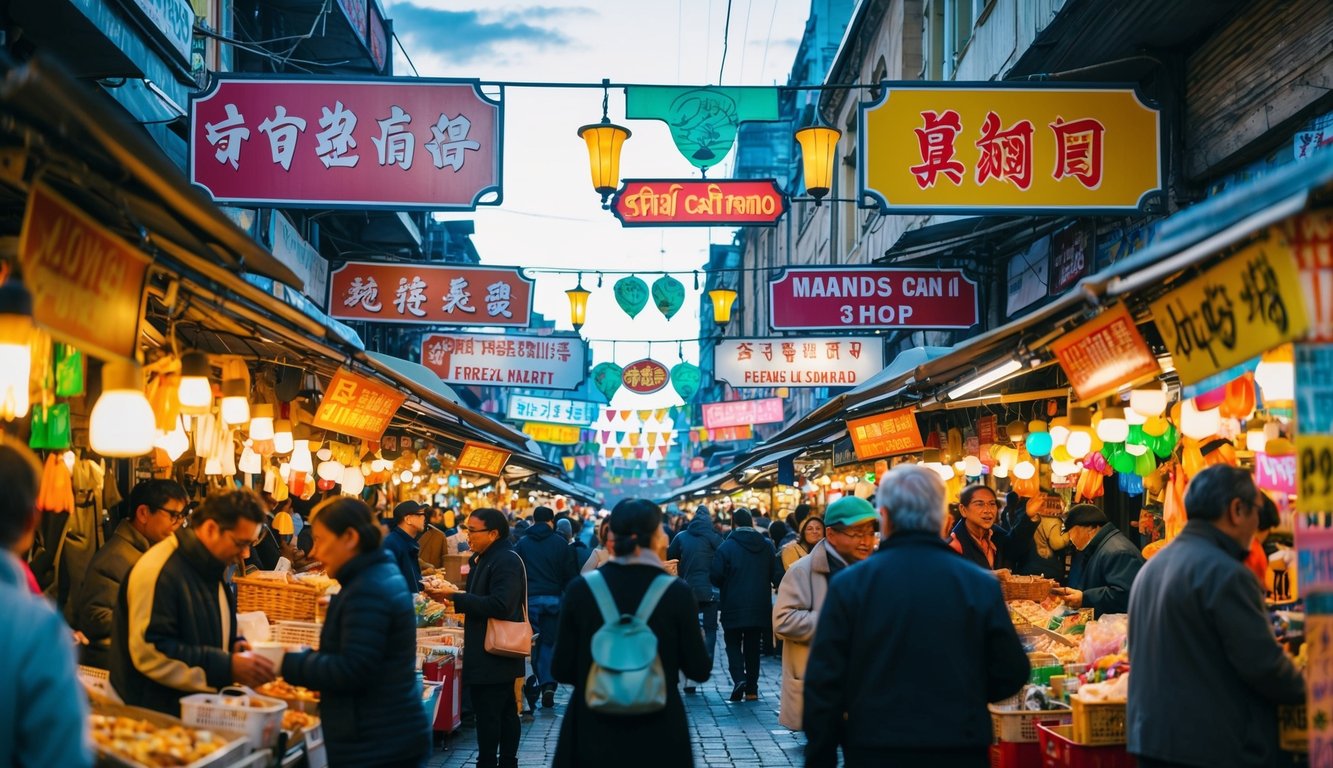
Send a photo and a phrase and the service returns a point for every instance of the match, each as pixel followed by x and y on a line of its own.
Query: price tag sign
pixel 1314 473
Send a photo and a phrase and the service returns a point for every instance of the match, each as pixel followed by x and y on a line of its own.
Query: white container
pixel 273 651
pixel 257 718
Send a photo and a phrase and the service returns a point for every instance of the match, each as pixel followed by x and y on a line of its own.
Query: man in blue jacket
pixel 551 565
pixel 409 522
pixel 1105 566
pixel 745 570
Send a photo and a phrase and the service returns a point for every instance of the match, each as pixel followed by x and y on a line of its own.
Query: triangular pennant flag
pixel 606 435
pixel 634 438
pixel 620 438
pixel 638 453
pixel 661 414
pixel 610 452
pixel 583 462
pixel 652 439
pixel 610 414
pixel 644 415
pixel 625 452
pixel 569 462
pixel 663 450
pixel 625 415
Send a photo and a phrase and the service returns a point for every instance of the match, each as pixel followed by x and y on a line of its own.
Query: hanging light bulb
pixel 1025 470
pixel 416 466
pixel 1133 418
pixel 301 459
pixel 1149 402
pixel 196 389
pixel 1038 442
pixel 122 424
pixel 285 470
pixel 379 465
pixel 1016 429
pixel 282 436
pixel 261 423
pixel 176 442
pixel 972 466
pixel 324 453
pixel 1255 439
pixel 213 467
pixel 1197 424
pixel 1063 468
pixel 1059 431
pixel 16 335
pixel 1000 471
pixel 1113 428
pixel 353 482
pixel 331 470
pixel 1276 376
pixel 235 402
pixel 1079 443
pixel 405 476
pixel 249 463
pixel 68 458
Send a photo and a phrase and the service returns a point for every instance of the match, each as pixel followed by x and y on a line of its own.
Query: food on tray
pixel 293 720
pixel 437 583
pixel 281 689
pixel 429 612
pixel 1029 611
pixel 319 581
pixel 142 742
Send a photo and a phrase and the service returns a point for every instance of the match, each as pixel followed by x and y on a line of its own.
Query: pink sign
pixel 738 413
pixel 395 143
pixel 1275 473
pixel 834 298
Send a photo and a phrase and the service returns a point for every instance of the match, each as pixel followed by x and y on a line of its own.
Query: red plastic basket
pixel 1059 750
pixel 1010 754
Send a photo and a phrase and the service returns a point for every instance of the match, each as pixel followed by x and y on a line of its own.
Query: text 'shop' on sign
pixel 978 147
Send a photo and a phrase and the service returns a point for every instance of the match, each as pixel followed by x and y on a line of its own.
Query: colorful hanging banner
pixel 1104 354
pixel 1310 237
pixel 569 462
pixel 885 434
pixel 699 203
pixel 551 410
pixel 734 413
pixel 985 148
pixel 430 294
pixel 863 298
pixel 552 434
pixel 1244 306
pixel 482 459
pixel 703 119
pixel 357 406
pixel 730 434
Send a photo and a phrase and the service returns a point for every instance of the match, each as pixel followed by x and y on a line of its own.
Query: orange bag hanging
pixel 1173 505
pixel 56 493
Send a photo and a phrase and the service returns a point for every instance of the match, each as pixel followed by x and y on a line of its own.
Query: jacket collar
pixel 1103 535
pixel 197 555
pixel 900 539
pixel 400 533
pixel 502 545
pixel 125 530
pixel 820 555
pixel 358 565
pixel 642 557
pixel 1212 534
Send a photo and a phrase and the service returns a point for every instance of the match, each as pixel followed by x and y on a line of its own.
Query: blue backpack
pixel 626 676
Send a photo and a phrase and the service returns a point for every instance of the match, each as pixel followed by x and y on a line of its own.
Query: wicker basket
pixel 1098 723
pixel 278 600
pixel 1033 588
pixel 297 633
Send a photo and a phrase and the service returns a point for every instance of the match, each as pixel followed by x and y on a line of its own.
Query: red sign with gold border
pixel 699 203
pixel 1105 354
pixel 885 434
pixel 431 294
pixel 357 406
pixel 645 376
pixel 481 459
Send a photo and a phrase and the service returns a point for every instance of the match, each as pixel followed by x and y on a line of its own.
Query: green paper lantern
pixel 1123 462
pixel 1145 465
pixel 1164 444
pixel 1137 435
pixel 668 295
pixel 606 377
pixel 685 379
pixel 631 294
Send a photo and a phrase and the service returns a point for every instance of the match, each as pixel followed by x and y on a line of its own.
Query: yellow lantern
pixel 578 304
pixel 819 149
pixel 16 332
pixel 604 141
pixel 722 299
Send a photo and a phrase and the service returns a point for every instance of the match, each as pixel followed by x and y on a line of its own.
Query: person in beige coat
pixel 849 538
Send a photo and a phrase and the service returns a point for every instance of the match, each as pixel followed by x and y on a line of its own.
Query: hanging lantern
pixel 1039 442
pixel 819 149
pixel 195 392
pixel 1276 376
pixel 578 304
pixel 1079 442
pixel 686 378
pixel 1255 439
pixel 301 460
pixel 668 295
pixel 1197 424
pixel 235 402
pixel 282 436
pixel 722 299
pixel 330 470
pixel 1025 470
pixel 261 423
pixel 1016 430
pixel 604 140
pixel 1113 428
pixel 352 481
pixel 1238 397
pixel 249 463
pixel 1059 430
pixel 16 336
pixel 631 294
pixel 1150 401
pixel 1064 468
pixel 175 443
pixel 122 423
pixel 972 466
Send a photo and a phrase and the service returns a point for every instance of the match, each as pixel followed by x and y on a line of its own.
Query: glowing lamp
pixel 16 332
pixel 578 305
pixel 722 299
pixel 1113 428
pixel 122 423
pixel 330 470
pixel 353 482
pixel 819 149
pixel 301 460
pixel 1025 470
pixel 1276 376
pixel 282 436
pixel 604 140
pixel 261 423
pixel 235 402
pixel 1197 424
pixel 196 389
pixel 1148 402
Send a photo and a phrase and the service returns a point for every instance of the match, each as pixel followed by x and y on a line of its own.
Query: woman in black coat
pixel 365 668
pixel 588 737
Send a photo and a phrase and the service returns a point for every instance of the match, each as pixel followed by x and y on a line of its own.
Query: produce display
pixel 142 742
pixel 293 720
pixel 429 613
pixel 320 581
pixel 436 583
pixel 281 689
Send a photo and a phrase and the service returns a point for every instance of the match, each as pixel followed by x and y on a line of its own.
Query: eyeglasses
pixel 472 530
pixel 852 533
pixel 175 515
pixel 981 504
pixel 244 544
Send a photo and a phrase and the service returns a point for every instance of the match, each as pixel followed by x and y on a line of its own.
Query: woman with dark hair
pixel 602 553
pixel 587 737
pixel 365 668
pixel 497 588
pixel 1257 559
pixel 812 532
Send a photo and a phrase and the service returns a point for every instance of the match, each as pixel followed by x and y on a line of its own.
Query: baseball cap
pixel 849 510
pixel 404 509
pixel 1084 514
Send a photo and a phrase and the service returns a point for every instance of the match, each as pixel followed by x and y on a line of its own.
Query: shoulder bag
pixel 511 639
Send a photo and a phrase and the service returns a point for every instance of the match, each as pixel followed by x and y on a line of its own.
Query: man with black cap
pixel 1104 566
pixel 550 567
pixel 409 521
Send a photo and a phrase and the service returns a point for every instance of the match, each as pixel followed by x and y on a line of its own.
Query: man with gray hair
pixel 931 639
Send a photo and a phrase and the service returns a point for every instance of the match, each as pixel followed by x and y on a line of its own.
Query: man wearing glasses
pixel 1208 672
pixel 978 538
pixel 156 508
pixel 175 618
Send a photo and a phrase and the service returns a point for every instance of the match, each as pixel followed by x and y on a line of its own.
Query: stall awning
pixel 700 486
pixel 565 488
pixel 961 237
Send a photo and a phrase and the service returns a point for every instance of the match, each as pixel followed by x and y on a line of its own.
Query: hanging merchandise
pixel 69 371
pixel 50 427
pixel 686 379
pixel 56 493
pixel 668 295
pixel 607 378
pixel 631 294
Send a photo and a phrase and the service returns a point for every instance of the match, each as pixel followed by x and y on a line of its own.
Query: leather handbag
pixel 511 639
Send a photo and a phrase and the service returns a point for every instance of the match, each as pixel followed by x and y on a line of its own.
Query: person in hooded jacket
pixel 745 571
pixel 1104 567
pixel 550 564
pixel 695 548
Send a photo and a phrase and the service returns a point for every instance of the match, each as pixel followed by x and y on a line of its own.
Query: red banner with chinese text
pixel 434 294
pixel 357 406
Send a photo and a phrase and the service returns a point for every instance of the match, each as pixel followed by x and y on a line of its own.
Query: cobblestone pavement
pixel 723 734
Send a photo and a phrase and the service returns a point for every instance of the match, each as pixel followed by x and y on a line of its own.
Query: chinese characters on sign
pixel 545 409
pixel 991 148
pixel 699 203
pixel 820 361
pixel 813 298
pixel 1248 304
pixel 735 413
pixel 553 434
pixel 86 283
pixel 1105 354
pixel 357 406
pixel 1071 259
pixel 438 295
pixel 303 141
pixel 481 459
pixel 885 434
pixel 645 376
pixel 549 362
pixel 1310 236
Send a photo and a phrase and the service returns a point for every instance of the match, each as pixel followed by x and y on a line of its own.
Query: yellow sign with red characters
pixel 357 406
pixel 986 148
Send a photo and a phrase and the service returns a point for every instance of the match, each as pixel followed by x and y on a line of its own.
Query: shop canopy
pixel 713 482
pixel 555 484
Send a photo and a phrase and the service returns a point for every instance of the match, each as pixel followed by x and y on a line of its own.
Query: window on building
pixel 946 29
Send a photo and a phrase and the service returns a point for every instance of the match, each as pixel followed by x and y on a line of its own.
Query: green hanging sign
pixel 631 294
pixel 668 295
pixel 703 119
pixel 606 377
pixel 685 379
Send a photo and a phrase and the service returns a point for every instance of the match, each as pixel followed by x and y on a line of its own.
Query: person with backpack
pixel 627 632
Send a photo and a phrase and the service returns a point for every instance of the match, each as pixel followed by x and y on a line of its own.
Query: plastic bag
pixel 1104 637
pixel 50 427
pixel 69 371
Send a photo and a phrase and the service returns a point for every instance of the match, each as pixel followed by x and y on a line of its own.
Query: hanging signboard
pixel 553 411
pixel 885 434
pixel 833 298
pixel 985 148
pixel 735 413
pixel 481 459
pixel 1275 473
pixel 391 143
pixel 699 203
pixel 844 452
pixel 86 283
pixel 1071 259
pixel 298 255
pixel 810 361
pixel 731 434
pixel 172 21
pixel 1240 308
pixel 703 119
pixel 1310 237
pixel 357 406
pixel 645 376
pixel 549 362
pixel 430 294
pixel 1314 390
pixel 554 434
pixel 1105 354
